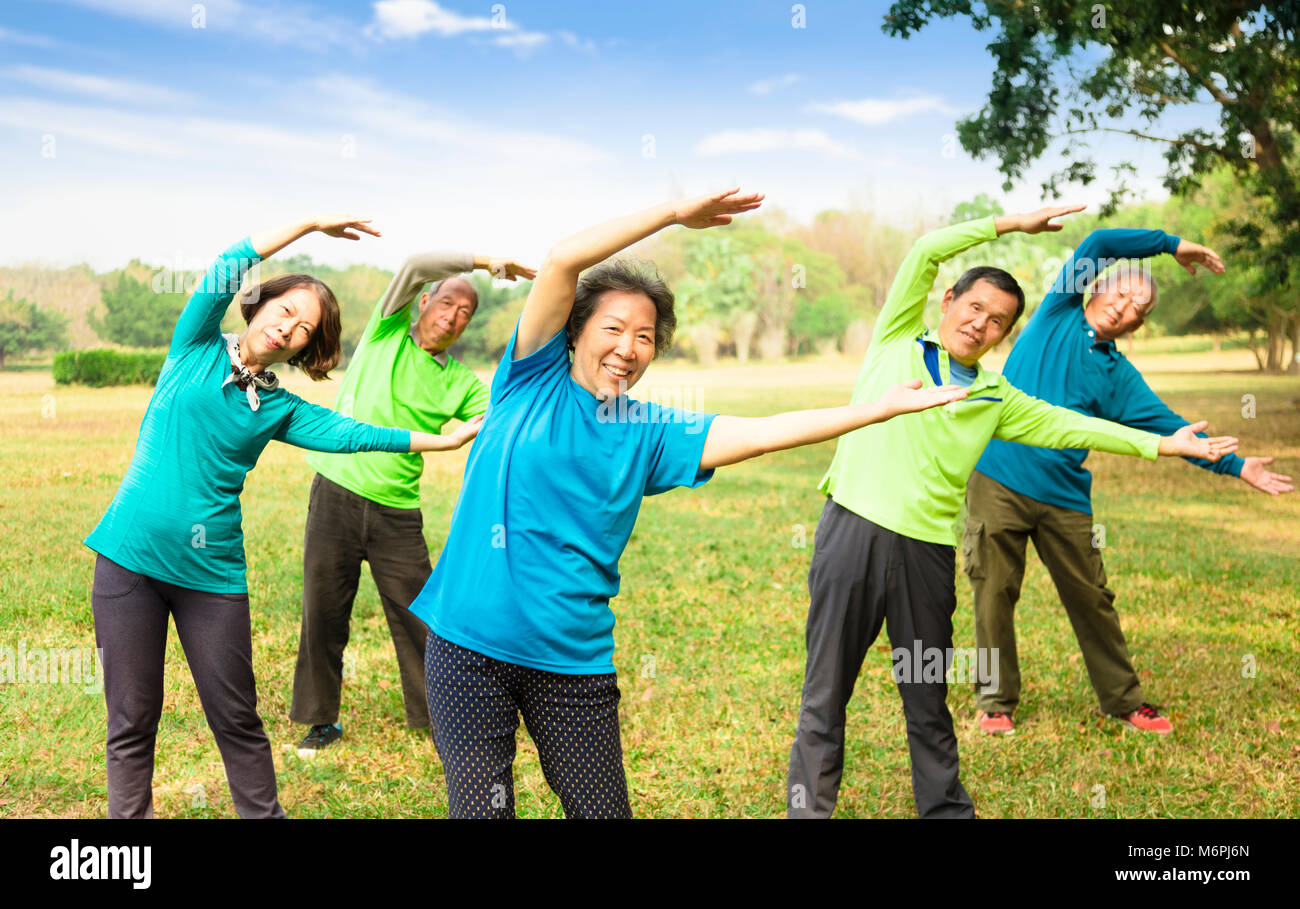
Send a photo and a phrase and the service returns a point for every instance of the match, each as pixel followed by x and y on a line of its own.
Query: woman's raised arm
pixel 551 298
pixel 267 243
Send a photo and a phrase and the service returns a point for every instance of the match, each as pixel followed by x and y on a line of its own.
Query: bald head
pixel 456 286
pixel 445 311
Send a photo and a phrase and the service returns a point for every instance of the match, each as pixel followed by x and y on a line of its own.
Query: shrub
pixel 102 367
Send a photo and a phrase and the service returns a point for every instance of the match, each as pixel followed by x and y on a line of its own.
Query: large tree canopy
pixel 1066 70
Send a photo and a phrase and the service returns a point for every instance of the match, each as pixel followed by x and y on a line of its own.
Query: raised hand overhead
pixel 1190 255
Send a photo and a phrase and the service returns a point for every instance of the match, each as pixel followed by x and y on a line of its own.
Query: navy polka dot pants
pixel 475 703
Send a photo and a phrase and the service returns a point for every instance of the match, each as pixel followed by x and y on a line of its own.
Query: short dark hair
pixel 998 278
pixel 623 275
pixel 324 348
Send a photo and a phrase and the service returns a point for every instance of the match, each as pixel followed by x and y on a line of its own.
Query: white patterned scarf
pixel 246 379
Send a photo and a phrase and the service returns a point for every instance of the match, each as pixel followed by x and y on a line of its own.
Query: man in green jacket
pixel 368 507
pixel 884 549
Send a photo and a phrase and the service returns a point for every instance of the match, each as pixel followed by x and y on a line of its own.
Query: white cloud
pixel 122 90
pixel 13 37
pixel 743 141
pixel 874 111
pixel 412 18
pixel 389 115
pixel 521 40
pixel 573 41
pixel 408 19
pixel 123 133
pixel 271 22
pixel 767 86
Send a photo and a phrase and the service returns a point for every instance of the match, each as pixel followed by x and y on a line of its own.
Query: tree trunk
pixel 742 333
pixel 1293 367
pixel 1218 342
pixel 772 342
pixel 1275 342
pixel 1254 348
pixel 857 338
pixel 704 338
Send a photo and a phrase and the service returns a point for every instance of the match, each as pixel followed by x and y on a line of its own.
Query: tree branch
pixel 1133 132
pixel 1208 84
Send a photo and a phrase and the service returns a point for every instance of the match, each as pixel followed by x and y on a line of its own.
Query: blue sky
pixel 166 129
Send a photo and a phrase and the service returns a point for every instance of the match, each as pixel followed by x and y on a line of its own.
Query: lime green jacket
pixel 909 474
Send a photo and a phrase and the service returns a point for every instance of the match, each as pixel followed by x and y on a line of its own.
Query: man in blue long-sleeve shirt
pixel 1067 356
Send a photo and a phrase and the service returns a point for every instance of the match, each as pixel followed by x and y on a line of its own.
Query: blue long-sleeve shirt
pixel 176 516
pixel 1059 359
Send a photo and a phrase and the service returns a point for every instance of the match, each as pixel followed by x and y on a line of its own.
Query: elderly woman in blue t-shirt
pixel 518 604
pixel 172 543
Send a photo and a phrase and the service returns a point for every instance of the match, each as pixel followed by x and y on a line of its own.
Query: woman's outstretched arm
pixel 735 439
pixel 267 243
pixel 551 298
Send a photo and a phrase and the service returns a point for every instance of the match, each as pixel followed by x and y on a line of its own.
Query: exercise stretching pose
pixel 518 603
pixel 172 541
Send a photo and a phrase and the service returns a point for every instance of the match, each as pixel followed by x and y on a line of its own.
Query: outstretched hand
pixel 509 270
pixel 1185 443
pixel 1036 222
pixel 1190 254
pixel 343 226
pixel 1255 472
pixel 910 397
pixel 715 209
pixel 465 432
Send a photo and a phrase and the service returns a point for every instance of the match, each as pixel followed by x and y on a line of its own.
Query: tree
pixel 27 327
pixel 821 320
pixel 1068 70
pixel 716 294
pixel 135 315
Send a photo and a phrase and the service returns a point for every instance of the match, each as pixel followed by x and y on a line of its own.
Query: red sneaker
pixel 995 723
pixel 1148 719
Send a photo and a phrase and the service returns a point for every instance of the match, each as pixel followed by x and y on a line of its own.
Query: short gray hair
pixel 1125 269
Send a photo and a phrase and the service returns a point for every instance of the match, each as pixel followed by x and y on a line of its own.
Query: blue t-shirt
pixel 551 492
pixel 1059 359
pixel 959 375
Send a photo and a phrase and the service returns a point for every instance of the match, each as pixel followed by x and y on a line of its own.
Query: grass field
pixel 710 629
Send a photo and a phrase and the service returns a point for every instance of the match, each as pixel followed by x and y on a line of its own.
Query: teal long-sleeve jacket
pixel 176 516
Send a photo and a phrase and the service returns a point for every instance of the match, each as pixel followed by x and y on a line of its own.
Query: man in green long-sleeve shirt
pixel 368 508
pixel 884 546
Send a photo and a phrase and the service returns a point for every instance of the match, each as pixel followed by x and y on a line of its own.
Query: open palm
pixel 715 209
pixel 342 226
pixel 909 397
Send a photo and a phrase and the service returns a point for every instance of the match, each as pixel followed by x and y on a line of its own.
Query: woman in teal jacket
pixel 171 542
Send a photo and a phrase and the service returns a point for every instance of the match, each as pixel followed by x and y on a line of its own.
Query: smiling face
pixel 976 321
pixel 282 327
pixel 1119 308
pixel 616 344
pixel 445 314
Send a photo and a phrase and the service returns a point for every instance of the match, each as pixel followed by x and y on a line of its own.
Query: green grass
pixel 710 632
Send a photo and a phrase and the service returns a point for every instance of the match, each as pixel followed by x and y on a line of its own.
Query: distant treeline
pixel 762 288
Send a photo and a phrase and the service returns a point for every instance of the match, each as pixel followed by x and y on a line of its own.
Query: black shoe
pixel 318 738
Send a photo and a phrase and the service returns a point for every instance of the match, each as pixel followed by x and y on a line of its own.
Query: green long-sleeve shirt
pixel 909 474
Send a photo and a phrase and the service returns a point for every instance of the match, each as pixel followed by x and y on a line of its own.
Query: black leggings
pixel 131 613
pixel 475 702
